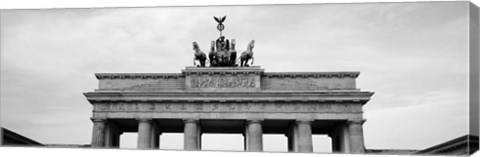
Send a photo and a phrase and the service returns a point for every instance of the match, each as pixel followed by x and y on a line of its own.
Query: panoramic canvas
pixel 369 78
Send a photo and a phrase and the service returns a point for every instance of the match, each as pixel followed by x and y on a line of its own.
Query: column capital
pixel 144 119
pixel 356 121
pixel 191 120
pixel 98 119
pixel 249 121
pixel 298 121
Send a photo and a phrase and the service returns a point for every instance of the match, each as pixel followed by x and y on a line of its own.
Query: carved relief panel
pixel 222 81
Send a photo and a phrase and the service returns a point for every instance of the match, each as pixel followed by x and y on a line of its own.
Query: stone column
pixel 304 136
pixel 245 143
pixel 116 144
pixel 292 138
pixel 340 138
pixel 335 142
pixel 98 134
pixel 112 135
pixel 1 136
pixel 254 136
pixel 155 134
pixel 156 145
pixel 144 134
pixel 345 137
pixel 191 135
pixel 289 141
pixel 356 136
pixel 199 136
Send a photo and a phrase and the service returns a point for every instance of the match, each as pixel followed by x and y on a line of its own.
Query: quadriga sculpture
pixel 198 55
pixel 247 55
pixel 232 53
pixel 212 55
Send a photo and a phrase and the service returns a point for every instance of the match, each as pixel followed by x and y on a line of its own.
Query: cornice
pixel 205 97
pixel 101 76
pixel 311 74
pixel 256 70
pixel 233 94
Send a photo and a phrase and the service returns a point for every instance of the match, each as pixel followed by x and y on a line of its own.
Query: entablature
pixel 355 97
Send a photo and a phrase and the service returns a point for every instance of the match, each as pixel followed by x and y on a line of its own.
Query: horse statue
pixel 232 53
pixel 213 55
pixel 198 55
pixel 247 55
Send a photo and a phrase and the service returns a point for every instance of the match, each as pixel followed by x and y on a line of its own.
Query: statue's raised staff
pixel 247 55
pixel 220 25
pixel 198 55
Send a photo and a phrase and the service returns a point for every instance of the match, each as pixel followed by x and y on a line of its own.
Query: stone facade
pixel 243 100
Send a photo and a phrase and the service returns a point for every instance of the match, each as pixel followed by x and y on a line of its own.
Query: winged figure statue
pixel 220 20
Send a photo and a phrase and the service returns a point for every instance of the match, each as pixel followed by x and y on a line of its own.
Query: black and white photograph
pixel 374 78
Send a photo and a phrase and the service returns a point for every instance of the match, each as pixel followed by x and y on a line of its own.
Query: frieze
pixel 228 107
pixel 222 81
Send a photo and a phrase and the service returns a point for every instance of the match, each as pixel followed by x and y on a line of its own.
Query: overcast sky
pixel 414 56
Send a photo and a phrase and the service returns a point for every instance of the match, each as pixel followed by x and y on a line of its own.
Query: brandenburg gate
pixel 226 98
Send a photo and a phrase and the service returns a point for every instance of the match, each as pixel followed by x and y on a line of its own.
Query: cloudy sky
pixel 414 56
